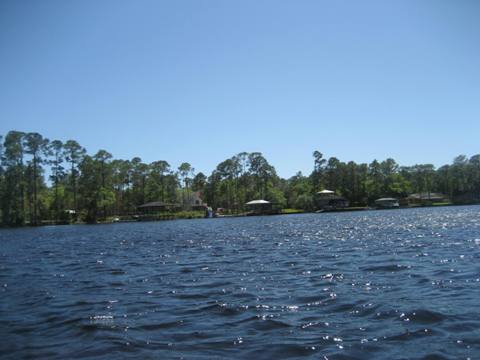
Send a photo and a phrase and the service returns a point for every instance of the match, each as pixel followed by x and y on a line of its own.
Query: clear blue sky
pixel 200 81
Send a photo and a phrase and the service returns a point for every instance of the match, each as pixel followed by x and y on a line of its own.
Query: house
pixel 194 201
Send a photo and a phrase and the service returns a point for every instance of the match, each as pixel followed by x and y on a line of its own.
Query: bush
pixel 305 202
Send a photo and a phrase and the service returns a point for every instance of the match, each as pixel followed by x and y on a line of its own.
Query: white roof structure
pixel 326 192
pixel 257 202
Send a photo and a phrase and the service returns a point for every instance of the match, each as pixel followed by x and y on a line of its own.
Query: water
pixel 400 284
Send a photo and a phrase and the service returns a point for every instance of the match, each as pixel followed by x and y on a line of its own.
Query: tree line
pixel 55 181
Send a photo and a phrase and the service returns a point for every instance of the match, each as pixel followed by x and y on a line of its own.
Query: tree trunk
pixel 35 205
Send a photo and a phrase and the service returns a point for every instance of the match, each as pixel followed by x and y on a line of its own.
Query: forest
pixel 46 181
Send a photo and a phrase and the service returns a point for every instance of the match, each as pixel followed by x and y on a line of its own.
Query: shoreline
pixel 173 217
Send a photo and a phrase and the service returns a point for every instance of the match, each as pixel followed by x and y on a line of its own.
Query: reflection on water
pixel 377 284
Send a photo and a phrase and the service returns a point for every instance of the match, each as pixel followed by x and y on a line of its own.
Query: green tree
pixel 37 147
pixel 262 172
pixel 88 186
pixel 318 170
pixel 102 157
pixel 375 181
pixel 74 155
pixel 444 181
pixel 121 181
pixel 333 174
pixel 157 180
pixel 299 192
pixel 13 202
pixel 185 171
pixel 139 180
pixel 474 175
pixel 199 182
pixel 57 174
pixel 95 189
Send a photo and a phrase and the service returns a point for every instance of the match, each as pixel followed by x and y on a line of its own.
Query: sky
pixel 199 81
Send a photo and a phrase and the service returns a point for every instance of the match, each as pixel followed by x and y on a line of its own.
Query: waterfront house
pixel 194 201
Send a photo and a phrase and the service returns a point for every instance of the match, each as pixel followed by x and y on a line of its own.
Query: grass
pixel 445 203
pixel 189 214
pixel 173 215
pixel 292 211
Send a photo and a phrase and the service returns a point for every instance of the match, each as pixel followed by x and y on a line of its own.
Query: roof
pixel 257 202
pixel 387 199
pixel 326 192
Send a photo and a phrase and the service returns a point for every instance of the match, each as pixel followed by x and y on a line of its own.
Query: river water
pixel 399 284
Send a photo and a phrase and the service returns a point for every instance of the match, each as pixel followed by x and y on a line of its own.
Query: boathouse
pixel 157 207
pixel 387 203
pixel 259 207
pixel 328 200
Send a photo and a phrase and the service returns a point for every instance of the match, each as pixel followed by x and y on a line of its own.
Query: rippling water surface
pixel 395 284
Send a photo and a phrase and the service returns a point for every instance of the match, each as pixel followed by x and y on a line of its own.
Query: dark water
pixel 401 284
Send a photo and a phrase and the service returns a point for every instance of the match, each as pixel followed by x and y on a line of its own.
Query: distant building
pixel 326 193
pixel 157 206
pixel 327 200
pixel 387 203
pixel 260 207
pixel 194 201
